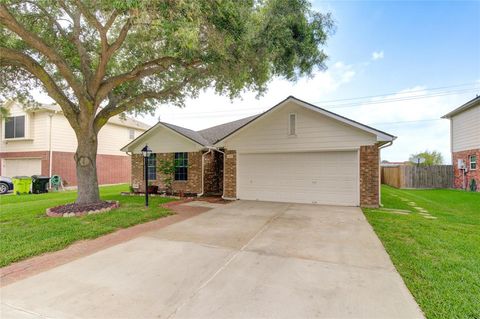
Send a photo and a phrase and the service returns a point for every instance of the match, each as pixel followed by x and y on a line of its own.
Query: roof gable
pixel 165 138
pixel 219 133
pixel 381 136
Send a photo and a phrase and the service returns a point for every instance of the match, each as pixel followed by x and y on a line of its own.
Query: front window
pixel 152 166
pixel 473 162
pixel 131 134
pixel 181 166
pixel 15 127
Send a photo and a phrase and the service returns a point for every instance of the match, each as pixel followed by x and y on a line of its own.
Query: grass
pixel 439 259
pixel 25 230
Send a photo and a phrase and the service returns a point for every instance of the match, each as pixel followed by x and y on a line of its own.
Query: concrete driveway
pixel 242 260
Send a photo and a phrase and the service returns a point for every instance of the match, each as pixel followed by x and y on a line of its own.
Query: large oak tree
pixel 101 58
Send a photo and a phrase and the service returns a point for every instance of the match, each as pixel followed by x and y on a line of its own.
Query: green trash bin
pixel 40 184
pixel 21 184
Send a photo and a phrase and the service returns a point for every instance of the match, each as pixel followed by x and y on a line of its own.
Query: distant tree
pixel 102 58
pixel 431 158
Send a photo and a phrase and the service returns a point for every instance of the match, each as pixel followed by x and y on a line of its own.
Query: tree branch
pixel 52 20
pixel 140 71
pixel 111 20
pixel 107 53
pixel 37 43
pixel 82 52
pixel 114 109
pixel 15 58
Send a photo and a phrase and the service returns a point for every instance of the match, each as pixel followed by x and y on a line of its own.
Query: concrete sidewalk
pixel 242 260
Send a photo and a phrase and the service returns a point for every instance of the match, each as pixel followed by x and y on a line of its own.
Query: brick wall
pixel 458 175
pixel 111 169
pixel 369 176
pixel 192 185
pixel 230 174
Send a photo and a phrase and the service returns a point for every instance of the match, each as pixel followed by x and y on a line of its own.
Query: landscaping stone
pixel 72 210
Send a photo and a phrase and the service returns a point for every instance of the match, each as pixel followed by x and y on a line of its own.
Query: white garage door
pixel 329 178
pixel 22 167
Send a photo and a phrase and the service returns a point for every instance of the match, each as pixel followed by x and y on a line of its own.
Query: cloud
pixel 377 55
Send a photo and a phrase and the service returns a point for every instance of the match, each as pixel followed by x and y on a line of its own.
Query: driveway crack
pixel 230 259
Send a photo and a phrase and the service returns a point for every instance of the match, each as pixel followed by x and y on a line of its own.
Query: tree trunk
pixel 86 162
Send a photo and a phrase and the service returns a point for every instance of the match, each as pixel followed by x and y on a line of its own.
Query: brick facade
pixel 230 175
pixel 470 174
pixel 193 184
pixel 369 176
pixel 111 169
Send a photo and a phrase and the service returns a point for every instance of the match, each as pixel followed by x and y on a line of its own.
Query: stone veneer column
pixel 369 176
pixel 230 174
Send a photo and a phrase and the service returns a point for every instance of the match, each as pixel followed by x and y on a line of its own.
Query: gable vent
pixel 292 124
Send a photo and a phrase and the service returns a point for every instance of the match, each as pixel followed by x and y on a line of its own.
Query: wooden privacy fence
pixel 406 176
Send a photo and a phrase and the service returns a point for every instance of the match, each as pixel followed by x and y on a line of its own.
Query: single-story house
pixel 293 152
pixel 465 143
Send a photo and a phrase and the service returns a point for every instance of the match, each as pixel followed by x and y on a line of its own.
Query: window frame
pixel 181 164
pixel 131 134
pixel 294 116
pixel 152 167
pixel 474 162
pixel 14 119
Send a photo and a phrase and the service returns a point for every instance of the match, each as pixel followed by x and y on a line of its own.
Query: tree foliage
pixel 101 58
pixel 431 158
pixel 132 55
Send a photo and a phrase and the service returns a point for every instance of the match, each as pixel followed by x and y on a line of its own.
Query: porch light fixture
pixel 146 152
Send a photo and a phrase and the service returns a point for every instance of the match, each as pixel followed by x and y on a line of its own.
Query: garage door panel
pixel 317 177
pixel 22 167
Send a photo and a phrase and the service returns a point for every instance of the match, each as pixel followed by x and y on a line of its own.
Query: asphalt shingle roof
pixel 216 133
pixel 211 135
pixel 195 136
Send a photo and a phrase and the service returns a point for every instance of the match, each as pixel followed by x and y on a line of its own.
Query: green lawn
pixel 25 230
pixel 439 259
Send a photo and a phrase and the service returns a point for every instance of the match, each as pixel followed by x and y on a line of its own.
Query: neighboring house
pixel 294 152
pixel 465 143
pixel 39 141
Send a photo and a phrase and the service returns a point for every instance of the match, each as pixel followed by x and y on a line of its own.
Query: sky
pixel 396 66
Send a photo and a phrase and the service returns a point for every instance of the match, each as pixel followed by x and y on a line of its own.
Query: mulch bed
pixel 71 210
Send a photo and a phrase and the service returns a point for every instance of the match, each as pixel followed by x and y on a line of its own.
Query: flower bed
pixel 72 210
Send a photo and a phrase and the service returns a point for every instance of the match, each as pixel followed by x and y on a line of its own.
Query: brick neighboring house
pixel 294 152
pixel 39 141
pixel 465 143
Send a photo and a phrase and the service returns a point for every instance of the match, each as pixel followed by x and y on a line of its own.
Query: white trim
pixel 149 131
pixel 470 162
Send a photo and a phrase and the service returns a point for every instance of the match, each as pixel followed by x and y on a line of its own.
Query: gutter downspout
pixel 50 150
pixel 203 172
